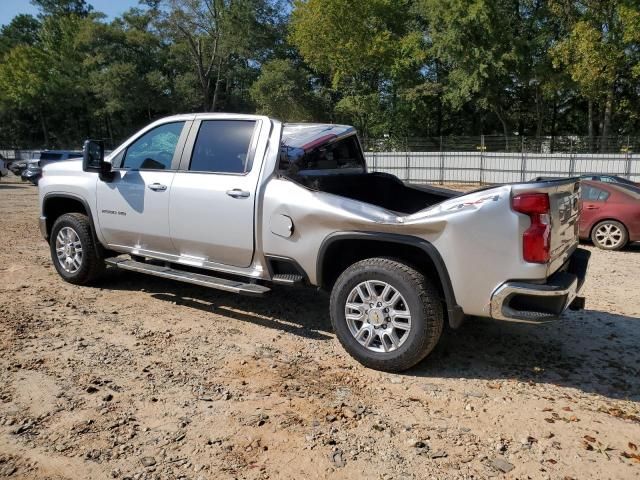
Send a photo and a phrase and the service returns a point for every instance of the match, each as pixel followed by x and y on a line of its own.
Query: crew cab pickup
pixel 242 202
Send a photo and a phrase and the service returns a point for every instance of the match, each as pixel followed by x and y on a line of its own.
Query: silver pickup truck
pixel 242 202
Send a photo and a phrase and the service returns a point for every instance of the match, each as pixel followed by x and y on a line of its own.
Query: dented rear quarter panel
pixel 478 235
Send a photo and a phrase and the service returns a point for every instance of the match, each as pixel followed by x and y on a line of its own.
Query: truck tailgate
pixel 564 202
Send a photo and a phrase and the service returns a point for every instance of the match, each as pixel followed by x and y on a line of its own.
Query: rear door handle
pixel 157 187
pixel 237 193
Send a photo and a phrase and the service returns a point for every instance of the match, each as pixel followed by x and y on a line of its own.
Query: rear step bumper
pixel 225 284
pixel 519 300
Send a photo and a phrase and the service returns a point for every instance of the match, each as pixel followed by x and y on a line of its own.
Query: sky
pixel 113 8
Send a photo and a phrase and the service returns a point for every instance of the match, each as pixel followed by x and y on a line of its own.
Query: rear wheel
pixel 73 249
pixel 386 314
pixel 609 235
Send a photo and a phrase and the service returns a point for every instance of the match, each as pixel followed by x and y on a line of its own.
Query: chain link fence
pixel 498 159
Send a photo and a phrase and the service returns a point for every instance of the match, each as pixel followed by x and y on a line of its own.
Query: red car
pixel 610 214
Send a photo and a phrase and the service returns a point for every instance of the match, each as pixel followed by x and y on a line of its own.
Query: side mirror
pixel 93 159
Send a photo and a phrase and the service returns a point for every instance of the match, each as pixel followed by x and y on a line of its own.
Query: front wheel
pixel 609 235
pixel 386 314
pixel 73 249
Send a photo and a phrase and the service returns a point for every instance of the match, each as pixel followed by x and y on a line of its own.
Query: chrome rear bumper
pixel 522 300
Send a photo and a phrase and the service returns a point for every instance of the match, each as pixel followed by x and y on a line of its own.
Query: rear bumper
pixel 522 300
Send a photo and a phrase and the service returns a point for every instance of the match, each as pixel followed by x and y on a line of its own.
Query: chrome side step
pixel 225 284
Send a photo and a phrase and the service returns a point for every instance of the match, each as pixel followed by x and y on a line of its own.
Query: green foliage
pixel 22 30
pixel 351 38
pixel 23 78
pixel 62 7
pixel 283 90
pixel 390 67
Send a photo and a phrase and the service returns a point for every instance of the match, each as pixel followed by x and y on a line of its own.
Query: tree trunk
pixel 554 116
pixel 539 114
pixel 606 122
pixel 505 130
pixel 45 130
pixel 109 130
pixel 205 98
pixel 590 125
pixel 216 88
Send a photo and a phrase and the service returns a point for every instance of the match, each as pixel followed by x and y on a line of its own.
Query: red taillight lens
pixel 530 203
pixel 536 239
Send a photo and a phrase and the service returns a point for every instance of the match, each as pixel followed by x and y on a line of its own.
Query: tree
pixel 475 42
pixel 599 51
pixel 349 39
pixel 218 36
pixel 283 90
pixel 362 46
pixel 24 84
pixel 126 71
pixel 22 30
pixel 63 7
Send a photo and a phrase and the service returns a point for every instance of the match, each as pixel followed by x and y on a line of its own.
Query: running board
pixel 225 284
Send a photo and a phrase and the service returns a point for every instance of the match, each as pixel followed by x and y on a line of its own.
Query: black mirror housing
pixel 93 159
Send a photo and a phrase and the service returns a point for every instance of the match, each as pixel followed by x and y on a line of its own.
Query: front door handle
pixel 592 207
pixel 157 187
pixel 237 193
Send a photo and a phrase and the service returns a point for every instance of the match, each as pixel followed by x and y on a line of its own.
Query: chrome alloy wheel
pixel 609 235
pixel 69 250
pixel 378 316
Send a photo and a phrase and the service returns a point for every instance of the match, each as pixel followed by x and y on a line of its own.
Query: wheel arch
pixel 341 249
pixel 56 204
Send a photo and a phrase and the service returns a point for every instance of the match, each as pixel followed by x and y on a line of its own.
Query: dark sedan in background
pixel 610 214
pixel 33 172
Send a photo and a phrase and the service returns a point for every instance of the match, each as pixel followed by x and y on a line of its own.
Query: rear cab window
pixel 330 158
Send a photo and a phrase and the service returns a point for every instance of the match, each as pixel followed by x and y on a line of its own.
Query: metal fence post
pixel 406 153
pixel 523 161
pixel 441 163
pixel 627 163
pixel 572 160
pixel 482 147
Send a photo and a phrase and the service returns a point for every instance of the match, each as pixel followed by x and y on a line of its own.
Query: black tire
pixel 91 264
pixel 422 299
pixel 603 244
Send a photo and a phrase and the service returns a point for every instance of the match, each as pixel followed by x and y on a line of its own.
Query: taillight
pixel 537 238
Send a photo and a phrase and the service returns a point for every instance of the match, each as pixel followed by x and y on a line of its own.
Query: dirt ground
pixel 143 378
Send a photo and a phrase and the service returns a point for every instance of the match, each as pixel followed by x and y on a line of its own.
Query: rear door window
pixel 222 146
pixel 593 194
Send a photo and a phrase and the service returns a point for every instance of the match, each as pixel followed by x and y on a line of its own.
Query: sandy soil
pixel 149 379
